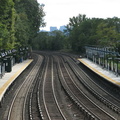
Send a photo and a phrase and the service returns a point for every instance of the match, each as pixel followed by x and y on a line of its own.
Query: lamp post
pixel 109 64
pixel 103 57
pixel 117 61
pixel 99 60
pixel 107 58
pixel 116 67
pixel 0 68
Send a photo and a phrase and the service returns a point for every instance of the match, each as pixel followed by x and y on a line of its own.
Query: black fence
pixel 107 57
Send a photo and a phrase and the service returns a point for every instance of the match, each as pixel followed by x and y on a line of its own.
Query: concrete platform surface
pixel 108 75
pixel 9 77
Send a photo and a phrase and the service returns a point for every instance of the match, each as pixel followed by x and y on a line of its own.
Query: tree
pixel 29 19
pixel 49 41
pixel 95 31
pixel 7 22
pixel 19 22
pixel 75 21
pixel 74 31
pixel 108 34
pixel 22 29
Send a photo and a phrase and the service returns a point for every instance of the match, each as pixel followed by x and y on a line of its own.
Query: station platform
pixel 103 72
pixel 9 77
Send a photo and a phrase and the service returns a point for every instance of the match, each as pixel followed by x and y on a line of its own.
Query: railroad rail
pixel 92 110
pixel 101 94
pixel 17 107
pixel 58 89
pixel 52 110
pixel 33 99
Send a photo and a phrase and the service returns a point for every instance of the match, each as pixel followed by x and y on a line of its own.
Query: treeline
pixel 95 31
pixel 49 41
pixel 79 32
pixel 19 22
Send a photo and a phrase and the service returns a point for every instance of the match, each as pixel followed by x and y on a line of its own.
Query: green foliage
pixel 19 22
pixel 108 33
pixel 85 31
pixel 49 41
pixel 22 29
pixel 81 31
pixel 7 21
pixel 75 32
pixel 30 18
pixel 40 41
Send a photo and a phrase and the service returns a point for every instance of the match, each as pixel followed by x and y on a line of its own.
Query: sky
pixel 58 12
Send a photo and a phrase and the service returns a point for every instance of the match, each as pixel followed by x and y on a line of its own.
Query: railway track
pixel 34 112
pixel 17 108
pixel 50 106
pixel 105 97
pixel 57 89
pixel 92 110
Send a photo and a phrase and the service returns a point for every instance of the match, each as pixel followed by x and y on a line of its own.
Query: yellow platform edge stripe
pixel 2 89
pixel 99 73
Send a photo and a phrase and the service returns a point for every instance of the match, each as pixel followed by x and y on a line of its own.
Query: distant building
pixel 43 31
pixel 62 28
pixel 53 29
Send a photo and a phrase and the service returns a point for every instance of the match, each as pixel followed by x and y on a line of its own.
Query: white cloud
pixel 58 12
